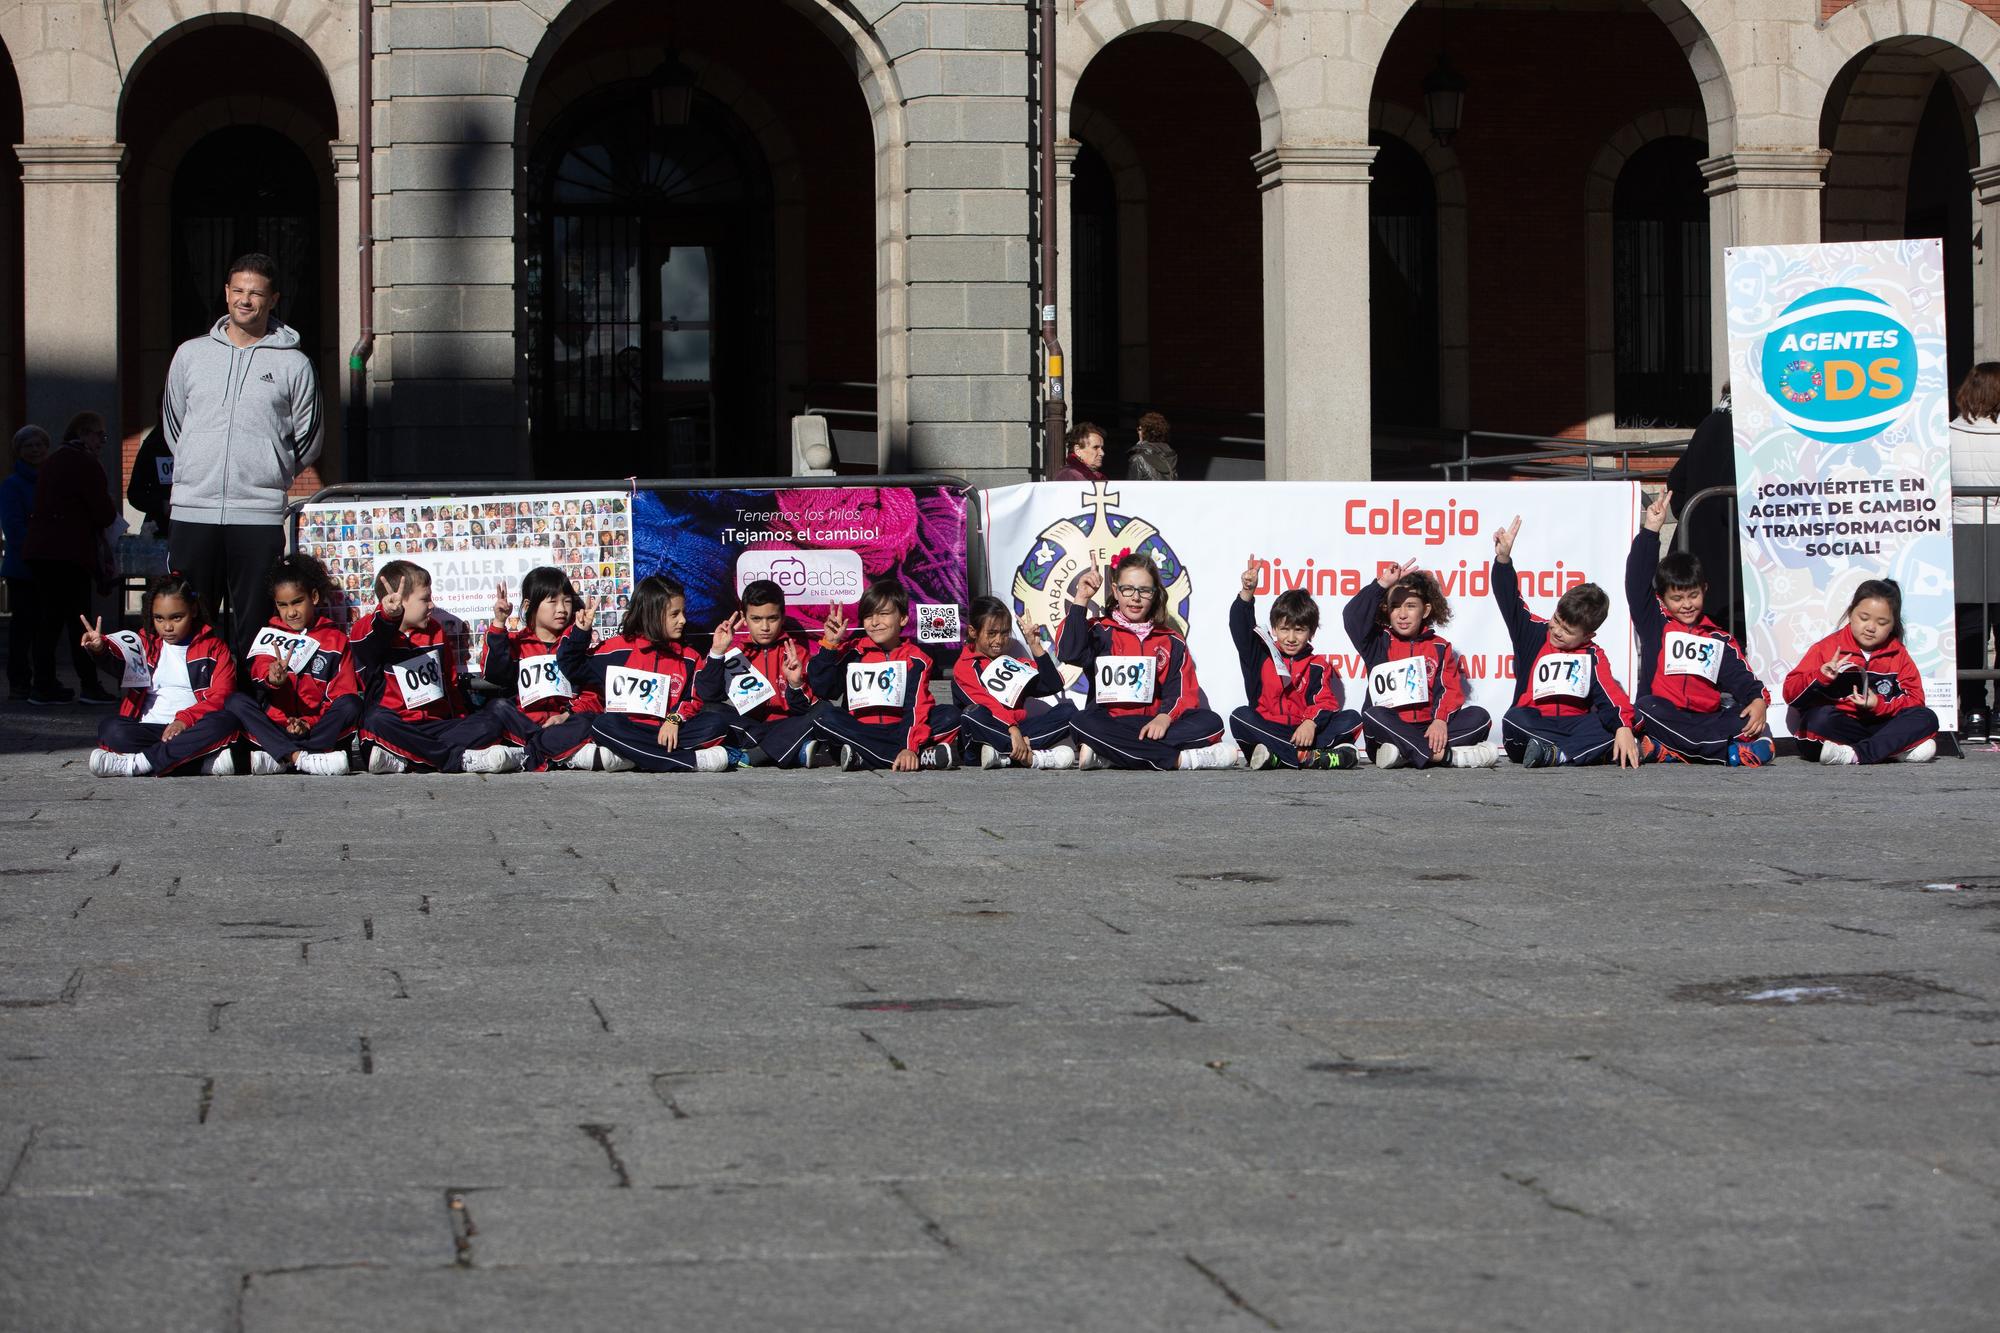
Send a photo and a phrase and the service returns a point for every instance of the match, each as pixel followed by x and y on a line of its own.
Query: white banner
pixel 1331 538
pixel 1843 460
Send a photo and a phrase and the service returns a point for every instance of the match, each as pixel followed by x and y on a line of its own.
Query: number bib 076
pixel 1562 676
pixel 748 687
pixel 630 691
pixel 1402 683
pixel 1124 680
pixel 1692 655
pixel 1005 678
pixel 539 678
pixel 421 679
pixel 875 685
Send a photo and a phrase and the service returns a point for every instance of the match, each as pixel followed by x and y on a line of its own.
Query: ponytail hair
pixel 304 570
pixel 1887 590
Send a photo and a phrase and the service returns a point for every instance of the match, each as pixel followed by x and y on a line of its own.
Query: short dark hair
pixel 1584 606
pixel 1678 571
pixel 1887 590
pixel 540 584
pixel 648 606
pixel 984 611
pixel 259 263
pixel 399 572
pixel 762 592
pixel 1422 585
pixel 1978 397
pixel 1154 428
pixel 1081 431
pixel 1295 606
pixel 881 593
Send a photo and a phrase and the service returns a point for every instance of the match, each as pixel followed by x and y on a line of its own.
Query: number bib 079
pixel 1124 680
pixel 1692 655
pixel 1402 683
pixel 1562 676
pixel 748 688
pixel 875 685
pixel 1005 678
pixel 539 678
pixel 630 691
pixel 421 679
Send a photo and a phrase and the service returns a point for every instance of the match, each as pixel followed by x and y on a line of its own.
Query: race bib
pixel 1562 676
pixel 629 691
pixel 163 468
pixel 1403 683
pixel 296 651
pixel 421 679
pixel 1124 680
pixel 1692 655
pixel 132 653
pixel 539 678
pixel 1005 678
pixel 875 684
pixel 748 688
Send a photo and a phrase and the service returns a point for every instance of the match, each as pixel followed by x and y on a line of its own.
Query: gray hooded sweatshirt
pixel 240 422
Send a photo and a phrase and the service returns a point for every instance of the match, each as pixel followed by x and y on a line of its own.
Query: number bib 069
pixel 1403 683
pixel 539 678
pixel 875 685
pixel 1124 680
pixel 630 691
pixel 1005 678
pixel 1692 655
pixel 1562 676
pixel 421 679
pixel 296 651
pixel 748 687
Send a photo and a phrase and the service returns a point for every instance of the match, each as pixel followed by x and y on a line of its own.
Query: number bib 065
pixel 539 678
pixel 1403 683
pixel 296 651
pixel 1124 680
pixel 748 687
pixel 1562 676
pixel 630 691
pixel 875 685
pixel 421 679
pixel 1005 678
pixel 1692 655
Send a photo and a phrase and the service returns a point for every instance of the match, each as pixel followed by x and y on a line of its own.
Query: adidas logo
pixel 268 378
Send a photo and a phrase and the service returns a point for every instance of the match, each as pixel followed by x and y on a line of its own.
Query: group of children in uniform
pixel 766 695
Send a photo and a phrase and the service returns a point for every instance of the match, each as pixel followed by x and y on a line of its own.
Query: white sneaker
pixel 493 759
pixel 1388 756
pixel 1833 752
pixel 583 760
pixel 1222 754
pixel 381 761
pixel 1088 758
pixel 110 764
pixel 1920 753
pixel 263 765
pixel 715 759
pixel 332 764
pixel 1056 756
pixel 1483 755
pixel 221 764
pixel 611 761
pixel 992 756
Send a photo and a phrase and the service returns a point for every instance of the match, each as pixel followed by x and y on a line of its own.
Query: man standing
pixel 242 419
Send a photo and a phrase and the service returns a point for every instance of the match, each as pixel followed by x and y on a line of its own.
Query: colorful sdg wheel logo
pixel 1839 366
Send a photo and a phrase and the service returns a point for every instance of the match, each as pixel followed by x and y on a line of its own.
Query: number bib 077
pixel 539 678
pixel 132 655
pixel 1005 678
pixel 1562 676
pixel 748 687
pixel 1124 680
pixel 630 691
pixel 1402 683
pixel 875 685
pixel 1692 655
pixel 421 679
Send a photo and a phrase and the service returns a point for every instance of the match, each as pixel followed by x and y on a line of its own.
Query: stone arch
pixel 1243 32
pixel 1454 316
pixel 1600 187
pixel 323 30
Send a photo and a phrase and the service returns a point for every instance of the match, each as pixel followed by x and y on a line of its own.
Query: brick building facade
pixel 637 236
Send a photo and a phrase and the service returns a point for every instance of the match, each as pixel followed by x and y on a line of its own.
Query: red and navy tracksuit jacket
pixel 1889 673
pixel 1286 689
pixel 211 674
pixel 969 689
pixel 1604 697
pixel 1377 644
pixel 660 683
pixel 507 653
pixel 1176 691
pixel 307 691
pixel 826 673
pixel 387 656
pixel 1735 684
pixel 767 660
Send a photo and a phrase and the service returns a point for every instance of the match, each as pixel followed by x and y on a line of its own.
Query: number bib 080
pixel 1692 655
pixel 630 691
pixel 1124 680
pixel 539 678
pixel 421 679
pixel 1403 683
pixel 1562 676
pixel 1005 678
pixel 875 685
pixel 296 651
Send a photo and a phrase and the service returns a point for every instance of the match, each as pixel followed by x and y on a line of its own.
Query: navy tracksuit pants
pixel 1116 739
pixel 545 744
pixel 337 722
pixel 1251 727
pixel 1703 738
pixel 878 743
pixel 433 742
pixel 124 736
pixel 638 738
pixel 1582 739
pixel 1044 730
pixel 1874 739
pixel 1381 726
pixel 777 738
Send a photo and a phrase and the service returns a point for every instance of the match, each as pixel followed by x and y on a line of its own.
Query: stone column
pixel 1756 196
pixel 1986 272
pixel 69 284
pixel 1066 151
pixel 333 461
pixel 1316 399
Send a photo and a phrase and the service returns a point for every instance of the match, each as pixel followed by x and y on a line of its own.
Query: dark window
pixel 1402 286
pixel 1659 287
pixel 241 189
pixel 1940 205
pixel 1094 270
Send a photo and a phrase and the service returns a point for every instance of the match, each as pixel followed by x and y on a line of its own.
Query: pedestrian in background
pixel 1710 461
pixel 17 502
pixel 1153 457
pixel 150 487
pixel 73 507
pixel 1085 459
pixel 1975 537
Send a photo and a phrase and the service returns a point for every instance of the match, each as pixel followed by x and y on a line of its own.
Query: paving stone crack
pixel 602 1134
pixel 207 1100
pixel 1234 1296
pixel 933 1229
pixel 887 1054
pixel 1534 1186
pixel 20 1160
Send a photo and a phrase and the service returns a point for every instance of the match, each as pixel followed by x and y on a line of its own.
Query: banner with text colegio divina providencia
pixel 1843 460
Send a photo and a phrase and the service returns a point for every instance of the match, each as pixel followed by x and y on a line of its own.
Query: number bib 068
pixel 1005 678
pixel 1403 683
pixel 630 691
pixel 296 651
pixel 421 679
pixel 1124 680
pixel 1562 676
pixel 1692 655
pixel 539 678
pixel 748 687
pixel 875 685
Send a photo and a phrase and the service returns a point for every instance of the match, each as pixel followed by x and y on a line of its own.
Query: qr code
pixel 937 622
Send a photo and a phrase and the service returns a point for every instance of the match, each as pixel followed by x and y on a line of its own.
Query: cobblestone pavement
pixel 1674 1050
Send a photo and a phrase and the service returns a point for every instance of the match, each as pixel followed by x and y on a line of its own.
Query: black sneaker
pixel 818 754
pixel 49 698
pixel 939 756
pixel 850 759
pixel 96 698
pixel 1338 756
pixel 1538 753
pixel 1976 726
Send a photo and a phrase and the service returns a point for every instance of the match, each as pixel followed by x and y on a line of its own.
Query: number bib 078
pixel 539 678
pixel 1692 655
pixel 875 685
pixel 630 691
pixel 1402 683
pixel 1124 680
pixel 748 687
pixel 1562 676
pixel 421 679
pixel 1005 678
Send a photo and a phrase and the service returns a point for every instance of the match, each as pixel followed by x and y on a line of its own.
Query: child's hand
pixel 1656 513
pixel 1031 633
pixel 1863 698
pixel 906 762
pixel 1625 746
pixel 1833 669
pixel 1753 719
pixel 1085 588
pixel 1156 727
pixel 502 608
pixel 173 729
pixel 795 665
pixel 586 613
pixel 1404 570
pixel 670 734
pixel 833 629
pixel 724 633
pixel 276 674
pixel 1302 735
pixel 1437 736
pixel 1024 753
pixel 1248 581
pixel 392 605
pixel 1503 545
pixel 93 635
pixel 298 726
